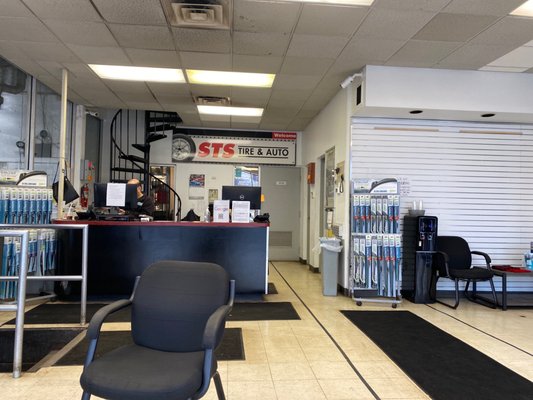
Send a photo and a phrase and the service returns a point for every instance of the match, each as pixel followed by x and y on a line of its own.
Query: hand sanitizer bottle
pixel 528 258
pixel 207 215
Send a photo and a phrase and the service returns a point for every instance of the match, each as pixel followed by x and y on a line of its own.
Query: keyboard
pixel 115 217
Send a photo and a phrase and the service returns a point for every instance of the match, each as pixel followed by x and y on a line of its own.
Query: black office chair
pixel 454 261
pixel 178 313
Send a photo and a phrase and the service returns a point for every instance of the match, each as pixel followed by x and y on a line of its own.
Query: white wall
pixel 329 129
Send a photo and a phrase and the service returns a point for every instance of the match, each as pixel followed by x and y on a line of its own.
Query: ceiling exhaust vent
pixel 204 14
pixel 212 101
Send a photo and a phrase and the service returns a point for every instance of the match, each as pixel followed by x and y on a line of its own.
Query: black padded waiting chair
pixel 454 261
pixel 178 314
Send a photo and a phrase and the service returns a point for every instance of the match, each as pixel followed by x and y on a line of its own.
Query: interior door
pixel 281 188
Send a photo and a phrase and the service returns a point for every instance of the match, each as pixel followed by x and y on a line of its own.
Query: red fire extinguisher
pixel 84 197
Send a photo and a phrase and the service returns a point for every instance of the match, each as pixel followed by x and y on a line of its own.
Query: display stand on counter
pixel 376 245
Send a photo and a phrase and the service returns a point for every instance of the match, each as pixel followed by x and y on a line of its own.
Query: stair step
pixel 160 128
pixel 123 181
pixel 152 137
pixel 133 158
pixel 132 170
pixel 141 147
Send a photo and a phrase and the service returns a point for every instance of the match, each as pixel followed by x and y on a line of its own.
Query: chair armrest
pixel 485 255
pixel 214 327
pixel 98 318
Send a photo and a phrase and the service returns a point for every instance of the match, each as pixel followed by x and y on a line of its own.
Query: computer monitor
pixel 243 193
pixel 129 201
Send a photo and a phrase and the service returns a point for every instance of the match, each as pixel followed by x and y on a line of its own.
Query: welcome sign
pixel 199 145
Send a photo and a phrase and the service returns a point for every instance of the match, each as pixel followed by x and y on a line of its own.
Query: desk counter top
pixel 162 223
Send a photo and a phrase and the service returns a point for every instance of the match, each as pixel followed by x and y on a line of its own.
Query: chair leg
pixel 493 293
pixel 85 396
pixel 457 293
pixel 218 386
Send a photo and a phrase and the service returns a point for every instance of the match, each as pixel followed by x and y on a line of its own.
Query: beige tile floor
pixel 297 360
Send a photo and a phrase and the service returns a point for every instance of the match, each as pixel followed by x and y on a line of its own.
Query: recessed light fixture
pixel 416 112
pixel 488 115
pixel 145 74
pixel 227 78
pixel 343 2
pixel 235 111
pixel 525 10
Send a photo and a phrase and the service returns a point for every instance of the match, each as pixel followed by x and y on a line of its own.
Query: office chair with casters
pixel 178 314
pixel 454 261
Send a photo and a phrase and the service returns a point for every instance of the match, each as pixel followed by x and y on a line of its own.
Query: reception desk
pixel 120 251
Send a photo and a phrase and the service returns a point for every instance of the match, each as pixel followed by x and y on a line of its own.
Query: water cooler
pixel 419 237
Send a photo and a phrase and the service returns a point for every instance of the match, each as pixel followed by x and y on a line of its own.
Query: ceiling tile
pixel 203 40
pixel 178 100
pixel 454 27
pixel 29 66
pixel 182 109
pixel 129 98
pixel 52 67
pixel 81 32
pixel 260 16
pixel 126 87
pixel 521 57
pixel 81 71
pixel 180 89
pixel 215 118
pixel 141 12
pixel 14 8
pixel 9 49
pixel 420 53
pixel 207 61
pixel 273 126
pixel 299 124
pixel 369 49
pixel 290 98
pixel 289 82
pixel 421 5
pixel 330 20
pixel 306 66
pixel 48 52
pixel 250 97
pixel 244 125
pixel 509 30
pixel 208 90
pixel 260 44
pixel 100 55
pixel 497 8
pixel 153 58
pixel 190 119
pixel 474 56
pixel 307 114
pixel 279 114
pixel 216 124
pixel 390 23
pixel 71 10
pixel 139 105
pixel 314 46
pixel 242 119
pixel 260 64
pixel 25 30
pixel 143 37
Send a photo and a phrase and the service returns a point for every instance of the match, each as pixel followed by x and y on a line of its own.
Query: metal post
pixel 21 301
pixel 84 255
pixel 62 141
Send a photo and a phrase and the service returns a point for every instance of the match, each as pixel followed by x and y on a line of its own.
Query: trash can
pixel 330 249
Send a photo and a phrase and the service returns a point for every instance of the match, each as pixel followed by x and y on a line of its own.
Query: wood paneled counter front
pixel 120 251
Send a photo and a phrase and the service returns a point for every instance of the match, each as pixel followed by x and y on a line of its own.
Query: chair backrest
pixel 458 251
pixel 173 302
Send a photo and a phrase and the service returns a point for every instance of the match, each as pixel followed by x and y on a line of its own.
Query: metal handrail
pixel 8 230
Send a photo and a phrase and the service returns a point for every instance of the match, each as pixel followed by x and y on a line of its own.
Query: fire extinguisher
pixel 84 198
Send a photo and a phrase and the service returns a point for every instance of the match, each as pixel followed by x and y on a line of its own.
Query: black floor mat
pixel 231 346
pixel 37 343
pixel 440 364
pixel 69 313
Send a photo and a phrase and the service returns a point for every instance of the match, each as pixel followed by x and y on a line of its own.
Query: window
pixel 14 111
pixel 246 176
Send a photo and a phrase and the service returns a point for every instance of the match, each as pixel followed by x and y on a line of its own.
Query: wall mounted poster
pixel 244 147
pixel 196 186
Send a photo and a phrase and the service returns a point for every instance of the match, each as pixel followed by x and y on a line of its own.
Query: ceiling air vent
pixel 205 14
pixel 212 101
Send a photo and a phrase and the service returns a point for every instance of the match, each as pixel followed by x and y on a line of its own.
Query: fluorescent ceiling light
pixel 343 2
pixel 230 78
pixel 146 74
pixel 235 111
pixel 525 10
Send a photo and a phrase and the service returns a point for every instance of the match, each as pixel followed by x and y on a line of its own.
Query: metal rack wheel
pixel 394 305
pixel 359 303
